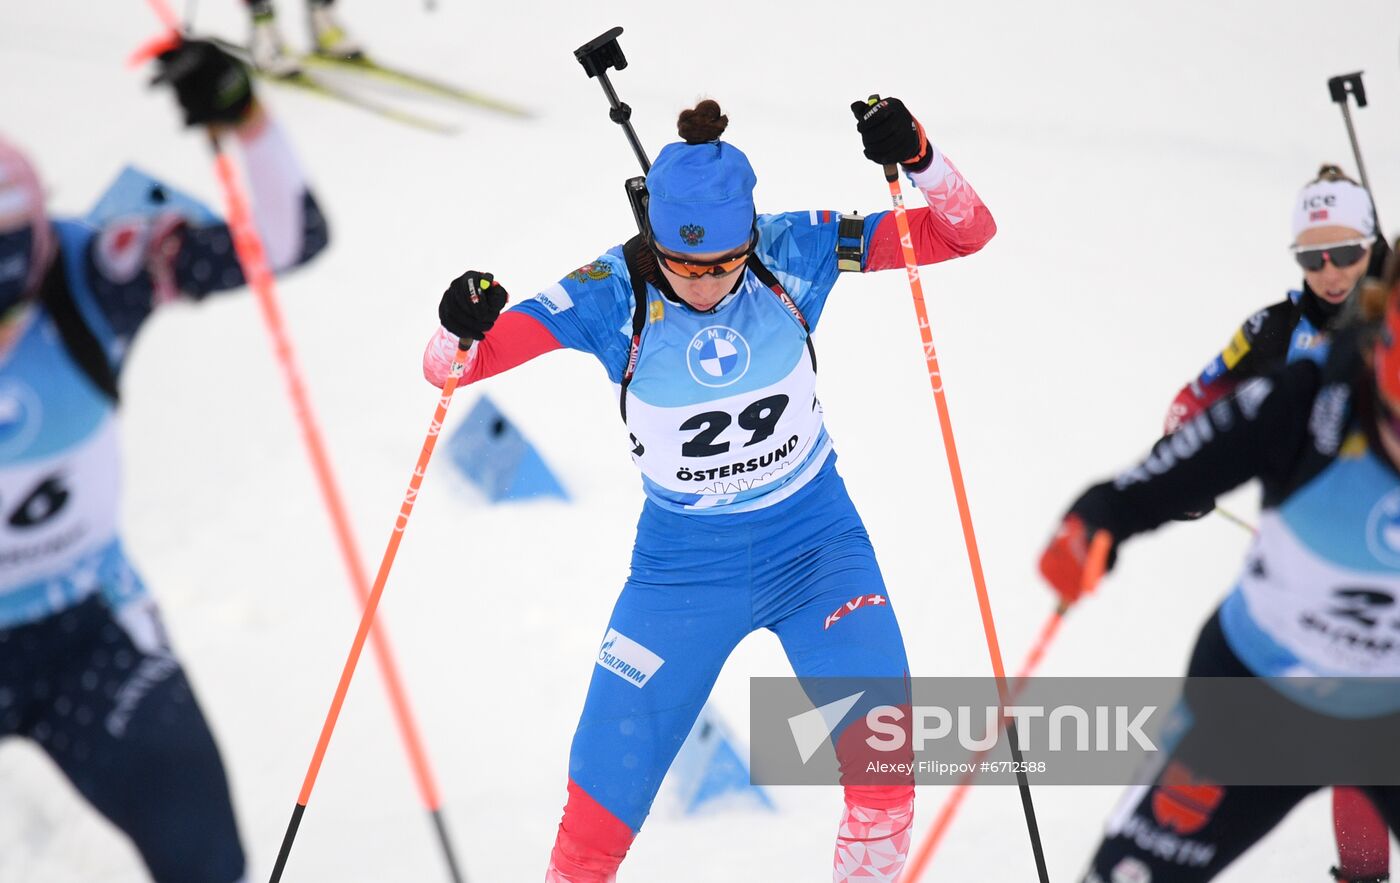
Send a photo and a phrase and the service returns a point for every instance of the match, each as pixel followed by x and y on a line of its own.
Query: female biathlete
pixel 704 324
pixel 1338 247
pixel 86 671
pixel 1313 610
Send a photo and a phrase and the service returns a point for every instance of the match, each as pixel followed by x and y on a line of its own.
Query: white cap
pixel 1338 203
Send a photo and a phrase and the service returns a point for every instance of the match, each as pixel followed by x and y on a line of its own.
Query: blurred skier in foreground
pixel 1338 246
pixel 86 671
pixel 746 524
pixel 1314 600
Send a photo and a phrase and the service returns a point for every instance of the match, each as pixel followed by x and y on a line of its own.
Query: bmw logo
pixel 19 417
pixel 1383 529
pixel 717 356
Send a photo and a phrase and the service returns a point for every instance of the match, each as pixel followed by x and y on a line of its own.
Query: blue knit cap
pixel 701 198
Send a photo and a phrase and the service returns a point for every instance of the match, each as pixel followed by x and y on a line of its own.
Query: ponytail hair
pixel 1332 172
pixel 702 123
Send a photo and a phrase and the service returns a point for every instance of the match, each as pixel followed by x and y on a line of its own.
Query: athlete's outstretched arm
pixel 1261 431
pixel 137 263
pixel 1257 432
pixel 288 219
pixel 955 223
pixel 515 339
pixel 585 311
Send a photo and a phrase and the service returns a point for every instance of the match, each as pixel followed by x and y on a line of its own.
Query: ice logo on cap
pixel 717 356
pixel 19 417
pixel 1383 529
pixel 692 234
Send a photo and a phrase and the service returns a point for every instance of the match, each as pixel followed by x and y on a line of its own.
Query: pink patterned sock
pixel 873 843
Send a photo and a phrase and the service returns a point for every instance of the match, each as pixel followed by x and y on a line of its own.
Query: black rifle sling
pixel 641 267
pixel 57 298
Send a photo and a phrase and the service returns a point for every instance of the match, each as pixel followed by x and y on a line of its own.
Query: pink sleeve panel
pixel 514 340
pixel 956 222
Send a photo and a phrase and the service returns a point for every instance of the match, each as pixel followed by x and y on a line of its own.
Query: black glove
pixel 211 85
pixel 891 134
pixel 471 304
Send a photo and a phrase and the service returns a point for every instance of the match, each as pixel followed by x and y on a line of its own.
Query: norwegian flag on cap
pixel 1334 203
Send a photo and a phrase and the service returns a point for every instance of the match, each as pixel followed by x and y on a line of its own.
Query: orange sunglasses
pixel 698 269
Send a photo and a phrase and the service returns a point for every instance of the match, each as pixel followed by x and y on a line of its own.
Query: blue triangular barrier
pixel 494 454
pixel 136 193
pixel 710 768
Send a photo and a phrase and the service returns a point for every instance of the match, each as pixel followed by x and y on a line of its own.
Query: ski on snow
pixel 314 85
pixel 366 66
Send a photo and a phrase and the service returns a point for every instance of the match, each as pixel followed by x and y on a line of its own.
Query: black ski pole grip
pixel 1343 85
pixel 601 53
pixel 596 56
pixel 1339 87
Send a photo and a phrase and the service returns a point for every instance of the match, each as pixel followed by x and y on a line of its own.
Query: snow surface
pixel 1140 159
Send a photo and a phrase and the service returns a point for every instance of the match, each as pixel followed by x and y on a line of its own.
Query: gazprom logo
pixel 1383 529
pixel 717 356
pixel 627 659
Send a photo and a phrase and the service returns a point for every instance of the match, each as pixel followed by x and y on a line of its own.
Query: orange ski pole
pixel 974 558
pixel 252 258
pixel 260 279
pixel 924 854
pixel 367 618
pixel 1096 562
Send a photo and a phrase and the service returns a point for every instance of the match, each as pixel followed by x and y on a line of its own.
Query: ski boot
pixel 265 45
pixel 331 38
